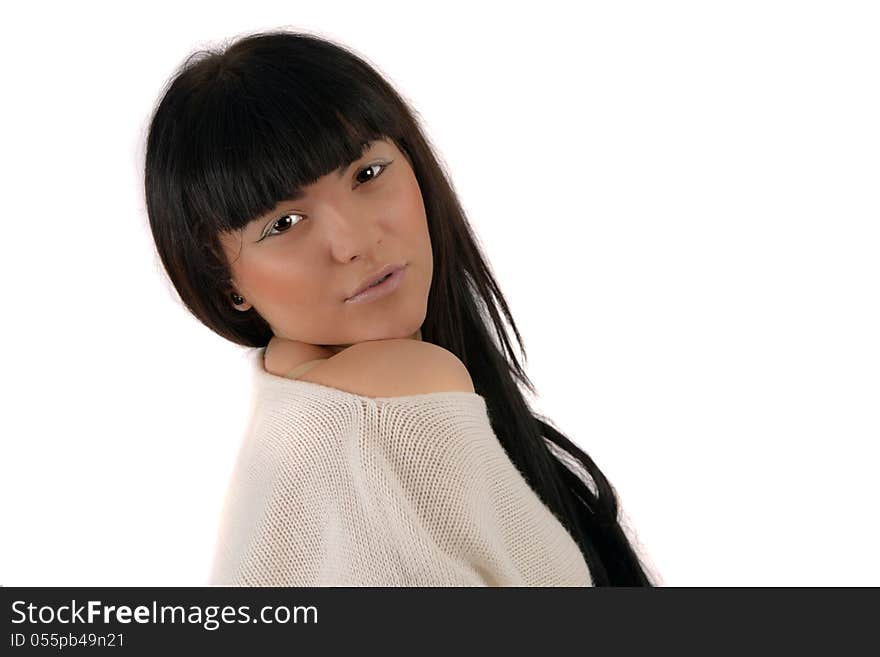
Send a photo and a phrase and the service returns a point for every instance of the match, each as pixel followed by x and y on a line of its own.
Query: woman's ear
pixel 239 302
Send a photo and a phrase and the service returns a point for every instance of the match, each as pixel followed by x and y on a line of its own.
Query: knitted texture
pixel 331 488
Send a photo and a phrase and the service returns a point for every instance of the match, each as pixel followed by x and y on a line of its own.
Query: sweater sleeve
pixel 439 474
pixel 407 491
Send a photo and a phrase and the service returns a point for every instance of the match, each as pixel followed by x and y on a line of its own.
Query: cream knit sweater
pixel 331 488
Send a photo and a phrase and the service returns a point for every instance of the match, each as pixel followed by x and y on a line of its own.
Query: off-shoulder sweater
pixel 331 488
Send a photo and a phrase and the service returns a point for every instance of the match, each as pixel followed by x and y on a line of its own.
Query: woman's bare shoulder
pixel 283 355
pixel 392 368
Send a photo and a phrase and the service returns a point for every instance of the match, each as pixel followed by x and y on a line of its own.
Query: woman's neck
pixel 336 348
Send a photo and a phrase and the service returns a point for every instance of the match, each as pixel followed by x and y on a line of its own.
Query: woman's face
pixel 298 264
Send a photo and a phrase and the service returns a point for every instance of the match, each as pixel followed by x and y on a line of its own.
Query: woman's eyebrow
pixel 365 146
pixel 298 194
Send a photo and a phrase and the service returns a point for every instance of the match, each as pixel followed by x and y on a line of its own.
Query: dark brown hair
pixel 239 129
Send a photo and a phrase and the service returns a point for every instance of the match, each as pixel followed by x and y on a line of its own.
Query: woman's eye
pixel 281 225
pixel 383 165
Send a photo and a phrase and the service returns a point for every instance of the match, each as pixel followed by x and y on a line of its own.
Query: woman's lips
pixel 382 289
pixel 375 276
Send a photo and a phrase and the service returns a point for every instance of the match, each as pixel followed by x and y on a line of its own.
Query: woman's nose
pixel 348 231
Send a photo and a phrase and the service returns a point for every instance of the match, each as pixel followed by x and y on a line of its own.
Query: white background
pixel 679 199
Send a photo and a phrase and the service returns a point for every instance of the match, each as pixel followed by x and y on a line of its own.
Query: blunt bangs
pixel 259 132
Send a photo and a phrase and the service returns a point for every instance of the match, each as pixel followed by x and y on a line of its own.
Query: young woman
pixel 389 443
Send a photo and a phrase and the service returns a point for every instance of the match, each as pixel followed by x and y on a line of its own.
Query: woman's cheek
pixel 277 284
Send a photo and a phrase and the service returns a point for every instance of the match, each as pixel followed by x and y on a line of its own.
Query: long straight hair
pixel 239 128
